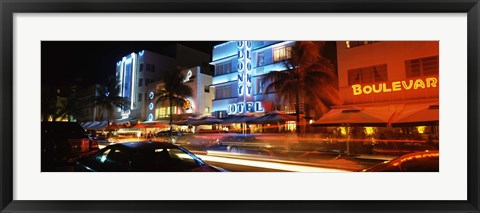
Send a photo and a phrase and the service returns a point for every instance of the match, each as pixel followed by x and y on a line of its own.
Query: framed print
pixel 300 106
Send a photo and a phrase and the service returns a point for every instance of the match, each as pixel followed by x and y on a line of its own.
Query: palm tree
pixel 68 109
pixel 108 99
pixel 48 104
pixel 175 90
pixel 309 77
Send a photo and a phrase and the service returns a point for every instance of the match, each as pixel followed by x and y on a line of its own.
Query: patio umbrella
pixel 96 125
pixel 207 120
pixel 352 117
pixel 239 119
pixel 274 117
pixel 154 124
pixel 86 124
pixel 427 115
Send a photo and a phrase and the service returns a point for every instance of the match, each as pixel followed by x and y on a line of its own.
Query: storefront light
pixel 343 130
pixel 421 129
pixel 369 130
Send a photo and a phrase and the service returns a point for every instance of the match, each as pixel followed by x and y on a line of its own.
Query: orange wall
pixel 392 53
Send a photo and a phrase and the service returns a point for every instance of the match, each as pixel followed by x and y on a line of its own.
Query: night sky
pixel 82 63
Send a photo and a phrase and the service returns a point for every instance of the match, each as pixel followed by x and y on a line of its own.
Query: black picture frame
pixel 9 7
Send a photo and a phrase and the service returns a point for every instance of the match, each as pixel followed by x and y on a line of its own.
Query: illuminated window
pixel 164 112
pixel 223 68
pixel 207 109
pixel 282 53
pixel 364 75
pixel 422 67
pixel 350 44
pixel 223 92
pixel 291 126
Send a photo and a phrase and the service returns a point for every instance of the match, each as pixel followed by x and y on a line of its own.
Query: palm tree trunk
pixel 297 112
pixel 171 113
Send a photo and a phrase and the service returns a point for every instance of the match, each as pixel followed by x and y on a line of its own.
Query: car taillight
pixel 85 145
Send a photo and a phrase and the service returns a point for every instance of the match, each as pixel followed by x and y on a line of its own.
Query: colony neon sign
pixel 244 68
pixel 395 86
pixel 242 107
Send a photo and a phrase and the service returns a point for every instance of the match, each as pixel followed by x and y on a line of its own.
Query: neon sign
pixel 244 67
pixel 242 107
pixel 395 86
pixel 188 76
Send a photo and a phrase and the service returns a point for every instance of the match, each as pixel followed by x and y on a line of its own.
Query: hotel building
pixel 239 79
pixel 136 71
pixel 200 104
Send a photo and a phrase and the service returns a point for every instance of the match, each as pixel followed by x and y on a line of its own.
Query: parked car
pixel 62 143
pixel 144 157
pixel 427 161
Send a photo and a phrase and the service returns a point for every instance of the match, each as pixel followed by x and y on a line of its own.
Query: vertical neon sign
pixel 244 68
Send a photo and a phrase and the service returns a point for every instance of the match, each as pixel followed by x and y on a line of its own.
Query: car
pixel 167 136
pixel 240 143
pixel 62 143
pixel 427 161
pixel 144 157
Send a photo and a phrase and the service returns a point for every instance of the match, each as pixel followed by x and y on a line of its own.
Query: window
pixel 140 96
pixel 148 68
pixel 260 59
pixel 365 75
pixel 223 92
pixel 207 89
pixel 351 44
pixel 223 68
pixel 152 68
pixel 282 53
pixel 421 67
pixel 140 82
pixel 141 67
pixel 207 109
pixel 260 86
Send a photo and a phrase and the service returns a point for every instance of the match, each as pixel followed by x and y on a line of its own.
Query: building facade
pixel 134 73
pixel 199 104
pixel 137 71
pixel 240 68
pixel 388 72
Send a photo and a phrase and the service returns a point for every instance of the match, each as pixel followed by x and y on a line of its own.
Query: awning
pixel 353 117
pixel 400 114
pixel 207 120
pixel 94 125
pixel 150 124
pixel 420 116
pixel 238 119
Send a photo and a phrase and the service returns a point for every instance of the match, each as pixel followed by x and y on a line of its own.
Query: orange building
pixel 389 84
pixel 388 71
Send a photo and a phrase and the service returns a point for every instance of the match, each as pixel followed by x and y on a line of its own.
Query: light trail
pixel 269 165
